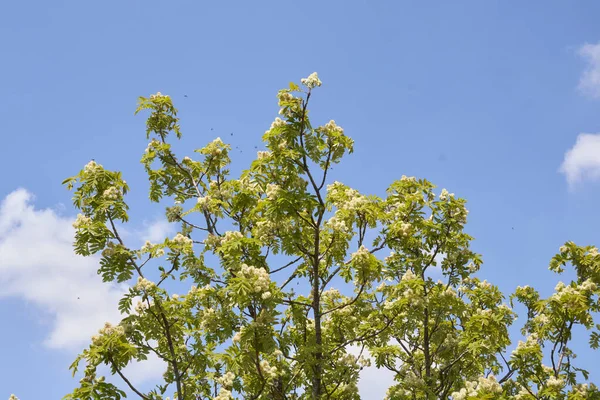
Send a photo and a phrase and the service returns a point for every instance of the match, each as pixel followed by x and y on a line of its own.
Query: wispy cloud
pixel 157 230
pixel 589 83
pixel 582 161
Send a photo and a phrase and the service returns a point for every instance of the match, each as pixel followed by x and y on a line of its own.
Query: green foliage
pixel 411 299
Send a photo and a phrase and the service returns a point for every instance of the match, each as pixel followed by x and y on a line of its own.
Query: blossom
pixel 266 295
pixel 312 81
pixel 147 247
pixel 143 284
pixel 81 221
pixel 259 277
pixel 409 275
pixel 181 239
pixel 112 193
pixel 272 191
pixel 555 383
pixel 13 397
pixel 278 123
pixel 267 369
pixel 262 155
pixel 231 236
pixel 227 379
pixel 224 394
pixel 158 95
pixel 92 167
pixel 332 127
pixel 237 337
pixel 445 195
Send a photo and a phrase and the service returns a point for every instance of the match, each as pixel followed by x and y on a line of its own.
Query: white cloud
pixel 38 265
pixel 589 83
pixel 582 161
pixel 157 230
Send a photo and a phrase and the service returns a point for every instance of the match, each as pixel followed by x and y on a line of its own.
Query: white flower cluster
pixel 237 337
pixel 284 97
pixel 278 123
pixel 112 193
pixel 353 199
pixel 92 167
pixel 143 284
pixel 361 256
pixel 263 155
pixel 445 195
pixel 405 228
pixel 224 394
pixel 312 81
pixel 332 127
pixel 182 240
pixel 336 224
pixel 109 329
pixel 158 95
pixel 258 276
pixel 231 236
pixel 555 383
pixel 409 275
pixel 266 295
pixel 272 191
pixel 147 247
pixel 13 397
pixel 569 294
pixel 482 386
pixel 141 306
pixel 268 370
pixel 593 252
pixel 152 145
pixel 408 178
pixel 530 343
pixel 226 380
pixel 81 221
pixel 212 241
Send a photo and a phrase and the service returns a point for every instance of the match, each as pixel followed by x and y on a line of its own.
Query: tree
pixel 408 294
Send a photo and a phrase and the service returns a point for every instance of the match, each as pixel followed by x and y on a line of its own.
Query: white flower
pixel 226 380
pixel 231 236
pixel 312 81
pixel 269 371
pixel 332 127
pixel 160 252
pixel 259 277
pixel 13 397
pixel 445 195
pixel 262 155
pixel 81 221
pixel 92 166
pixel 555 383
pixel 563 249
pixel 588 285
pixel 237 337
pixel 183 240
pixel 266 295
pixel 147 247
pixel 143 284
pixel 224 394
pixel 409 275
pixel 112 193
pixel 272 191
pixel 278 123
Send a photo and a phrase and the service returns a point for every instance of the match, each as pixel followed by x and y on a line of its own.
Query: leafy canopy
pixel 260 254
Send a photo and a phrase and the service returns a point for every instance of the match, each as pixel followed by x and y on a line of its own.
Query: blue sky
pixel 487 99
